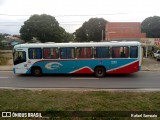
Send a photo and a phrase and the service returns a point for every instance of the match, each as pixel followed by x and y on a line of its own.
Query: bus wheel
pixel 100 71
pixel 36 71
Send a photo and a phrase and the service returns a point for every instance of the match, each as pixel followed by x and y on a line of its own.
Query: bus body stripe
pixel 129 68
pixel 85 69
pixel 123 66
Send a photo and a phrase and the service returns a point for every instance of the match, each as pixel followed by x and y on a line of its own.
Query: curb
pixel 85 89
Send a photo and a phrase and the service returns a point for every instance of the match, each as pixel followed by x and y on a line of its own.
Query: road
pixel 140 80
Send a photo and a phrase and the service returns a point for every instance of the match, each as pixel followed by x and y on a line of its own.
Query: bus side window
pixel 45 53
pixel 102 52
pixel 50 53
pixel 38 53
pixel 67 53
pixel 77 52
pixel 133 52
pixel 84 52
pixel 124 52
pixel 35 53
pixel 126 49
pixel 116 52
pixel 120 52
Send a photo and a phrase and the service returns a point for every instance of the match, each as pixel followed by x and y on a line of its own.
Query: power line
pixel 68 15
pixel 60 24
pixel 64 22
pixel 10 25
pixel 88 15
pixel 13 15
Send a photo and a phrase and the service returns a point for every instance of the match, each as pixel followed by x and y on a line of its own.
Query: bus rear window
pixel 35 53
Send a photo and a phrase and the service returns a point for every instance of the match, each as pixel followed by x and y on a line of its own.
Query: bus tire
pixel 100 71
pixel 36 71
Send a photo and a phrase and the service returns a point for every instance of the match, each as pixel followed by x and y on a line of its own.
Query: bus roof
pixel 82 44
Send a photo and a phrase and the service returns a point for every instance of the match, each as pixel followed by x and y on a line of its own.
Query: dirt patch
pixel 10 62
pixel 151 63
pixel 6 51
pixel 7 55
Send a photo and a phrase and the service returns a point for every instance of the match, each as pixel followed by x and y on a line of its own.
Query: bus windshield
pixel 19 57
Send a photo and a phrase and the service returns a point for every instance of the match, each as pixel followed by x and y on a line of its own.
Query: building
pixel 10 41
pixel 123 30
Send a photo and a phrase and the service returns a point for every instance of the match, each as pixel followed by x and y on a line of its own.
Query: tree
pixel 43 27
pixel 2 36
pixel 151 26
pixel 68 37
pixel 91 30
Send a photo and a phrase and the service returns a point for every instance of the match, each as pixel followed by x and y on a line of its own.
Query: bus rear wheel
pixel 100 71
pixel 36 71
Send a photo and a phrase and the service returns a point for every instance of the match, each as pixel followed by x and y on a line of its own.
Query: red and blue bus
pixel 96 58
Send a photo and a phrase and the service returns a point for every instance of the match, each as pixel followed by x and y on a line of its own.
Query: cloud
pixel 11 24
pixel 2 2
pixel 135 11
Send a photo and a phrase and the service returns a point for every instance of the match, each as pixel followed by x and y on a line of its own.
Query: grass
pixel 29 100
pixel 4 59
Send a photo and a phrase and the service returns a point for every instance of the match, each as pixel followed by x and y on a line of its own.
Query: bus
pixel 98 58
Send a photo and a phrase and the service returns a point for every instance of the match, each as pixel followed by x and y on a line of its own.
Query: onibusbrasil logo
pixel 21 114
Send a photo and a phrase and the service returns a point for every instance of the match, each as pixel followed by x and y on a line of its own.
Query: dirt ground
pixel 150 63
pixel 7 54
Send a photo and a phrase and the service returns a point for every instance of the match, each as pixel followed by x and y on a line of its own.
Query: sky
pixel 71 14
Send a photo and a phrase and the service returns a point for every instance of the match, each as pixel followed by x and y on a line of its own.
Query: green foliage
pixel 151 26
pixel 68 37
pixel 2 36
pixel 43 27
pixel 91 30
pixel 150 53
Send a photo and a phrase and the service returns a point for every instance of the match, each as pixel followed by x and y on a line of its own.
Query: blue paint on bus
pixel 68 66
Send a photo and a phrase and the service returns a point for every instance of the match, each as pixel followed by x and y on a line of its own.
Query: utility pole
pixel 102 35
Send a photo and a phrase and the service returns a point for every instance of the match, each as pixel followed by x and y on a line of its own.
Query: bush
pixel 5 47
pixel 150 53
